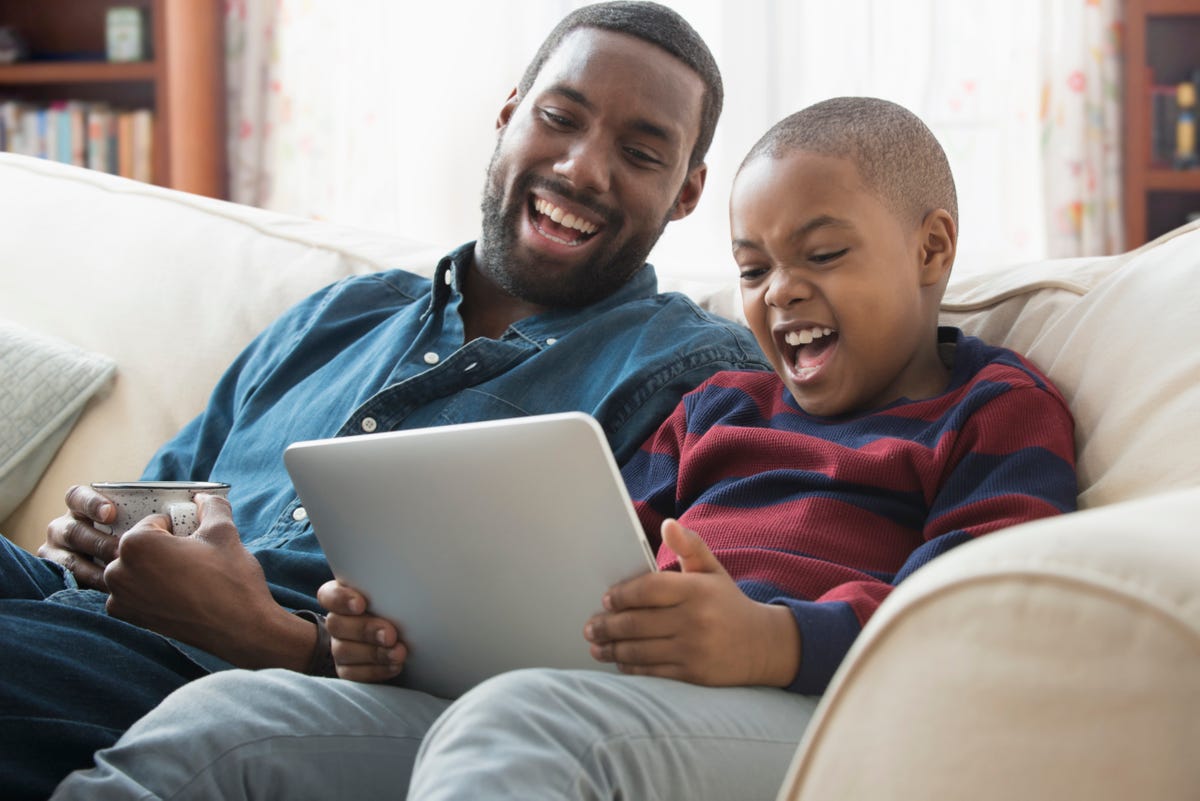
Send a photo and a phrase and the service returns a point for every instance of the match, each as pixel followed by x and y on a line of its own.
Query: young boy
pixel 789 503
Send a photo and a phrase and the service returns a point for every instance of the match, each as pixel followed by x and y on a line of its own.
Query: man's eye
pixel 642 156
pixel 825 258
pixel 556 120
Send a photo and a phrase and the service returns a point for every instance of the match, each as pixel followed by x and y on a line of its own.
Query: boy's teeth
pixel 806 336
pixel 563 218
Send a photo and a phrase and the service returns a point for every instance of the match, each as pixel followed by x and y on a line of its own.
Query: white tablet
pixel 490 543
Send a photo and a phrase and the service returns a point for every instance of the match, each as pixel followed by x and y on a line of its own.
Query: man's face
pixel 590 166
pixel 832 285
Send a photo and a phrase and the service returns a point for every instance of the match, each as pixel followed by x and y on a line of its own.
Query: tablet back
pixel 490 543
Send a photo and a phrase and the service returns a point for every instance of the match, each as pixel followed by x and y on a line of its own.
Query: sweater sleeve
pixel 1012 462
pixel 651 475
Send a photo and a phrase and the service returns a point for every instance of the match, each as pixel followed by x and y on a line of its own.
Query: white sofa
pixel 1056 660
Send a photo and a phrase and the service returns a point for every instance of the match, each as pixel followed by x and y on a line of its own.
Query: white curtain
pixel 381 114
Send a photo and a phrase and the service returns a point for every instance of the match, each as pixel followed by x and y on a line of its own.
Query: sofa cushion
pixel 44 385
pixel 170 286
pixel 1119 337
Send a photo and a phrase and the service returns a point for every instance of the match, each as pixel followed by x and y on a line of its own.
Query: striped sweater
pixel 827 514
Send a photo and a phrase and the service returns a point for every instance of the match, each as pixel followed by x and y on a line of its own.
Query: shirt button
pixel 299 513
pixel 431 358
pixel 551 341
pixel 449 279
pixel 369 424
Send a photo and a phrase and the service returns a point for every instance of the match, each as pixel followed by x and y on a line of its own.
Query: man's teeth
pixel 806 336
pixel 563 218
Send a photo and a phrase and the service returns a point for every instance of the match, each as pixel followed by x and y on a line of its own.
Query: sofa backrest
pixel 172 286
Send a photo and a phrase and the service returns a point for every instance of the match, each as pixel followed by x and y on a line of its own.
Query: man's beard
pixel 549 286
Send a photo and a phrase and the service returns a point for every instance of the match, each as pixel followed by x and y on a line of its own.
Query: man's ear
pixel 689 193
pixel 506 111
pixel 939 243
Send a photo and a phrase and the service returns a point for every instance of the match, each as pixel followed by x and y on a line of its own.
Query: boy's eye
pixel 825 258
pixel 751 273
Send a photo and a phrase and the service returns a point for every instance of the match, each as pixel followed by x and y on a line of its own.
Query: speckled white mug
pixel 138 499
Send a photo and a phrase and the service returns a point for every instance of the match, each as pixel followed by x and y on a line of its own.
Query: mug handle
pixel 184 518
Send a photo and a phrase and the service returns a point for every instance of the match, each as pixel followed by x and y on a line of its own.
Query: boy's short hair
pixel 897 155
pixel 661 27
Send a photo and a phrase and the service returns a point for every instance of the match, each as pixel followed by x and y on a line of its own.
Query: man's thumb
pixel 694 555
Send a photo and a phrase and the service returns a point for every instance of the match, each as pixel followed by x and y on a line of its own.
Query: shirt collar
pixel 447 280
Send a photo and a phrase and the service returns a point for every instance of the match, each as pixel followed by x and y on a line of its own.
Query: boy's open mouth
pixel 806 349
pixel 559 225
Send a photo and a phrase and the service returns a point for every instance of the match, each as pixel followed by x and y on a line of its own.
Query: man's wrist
pixel 320 661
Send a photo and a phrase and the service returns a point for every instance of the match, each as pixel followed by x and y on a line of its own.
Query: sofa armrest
pixel 1056 660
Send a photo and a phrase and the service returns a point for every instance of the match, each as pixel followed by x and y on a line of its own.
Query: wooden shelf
pixel 1165 179
pixel 183 82
pixel 77 72
pixel 1160 48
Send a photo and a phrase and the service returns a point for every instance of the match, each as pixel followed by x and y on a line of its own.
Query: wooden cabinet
pixel 182 82
pixel 1162 49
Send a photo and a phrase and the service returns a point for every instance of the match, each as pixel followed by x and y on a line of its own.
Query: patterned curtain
pixel 382 114
pixel 1081 127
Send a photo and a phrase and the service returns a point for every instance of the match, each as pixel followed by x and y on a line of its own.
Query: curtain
pixel 381 114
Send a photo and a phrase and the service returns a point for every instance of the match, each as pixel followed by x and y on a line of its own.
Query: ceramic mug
pixel 138 499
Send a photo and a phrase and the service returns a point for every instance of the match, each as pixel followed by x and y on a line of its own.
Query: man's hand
pixel 206 590
pixel 74 542
pixel 365 648
pixel 695 625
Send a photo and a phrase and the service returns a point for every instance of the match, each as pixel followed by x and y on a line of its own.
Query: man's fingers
pixel 85 501
pixel 341 598
pixel 87 573
pixel 216 517
pixel 362 628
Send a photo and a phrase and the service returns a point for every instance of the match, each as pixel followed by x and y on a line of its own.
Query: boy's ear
pixel 506 111
pixel 939 243
pixel 689 193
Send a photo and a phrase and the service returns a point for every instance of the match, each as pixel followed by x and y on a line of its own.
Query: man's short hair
pixel 658 25
pixel 897 155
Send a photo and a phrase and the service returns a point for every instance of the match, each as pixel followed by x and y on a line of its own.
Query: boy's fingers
pixel 694 555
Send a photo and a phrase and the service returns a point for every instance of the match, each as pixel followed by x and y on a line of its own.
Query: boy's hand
pixel 696 625
pixel 365 648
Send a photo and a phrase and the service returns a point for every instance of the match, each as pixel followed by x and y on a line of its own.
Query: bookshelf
pixel 1161 50
pixel 182 82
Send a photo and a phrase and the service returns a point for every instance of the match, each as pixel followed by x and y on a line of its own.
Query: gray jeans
pixel 527 734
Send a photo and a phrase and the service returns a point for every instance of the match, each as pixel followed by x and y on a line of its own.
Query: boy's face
pixel 834 286
pixel 590 166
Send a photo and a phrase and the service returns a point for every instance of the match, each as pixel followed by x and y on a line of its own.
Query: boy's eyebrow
pixel 641 124
pixel 820 221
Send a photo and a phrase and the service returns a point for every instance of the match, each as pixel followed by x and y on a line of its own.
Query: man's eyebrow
pixel 641 124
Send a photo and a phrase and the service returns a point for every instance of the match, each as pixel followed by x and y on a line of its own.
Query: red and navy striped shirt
pixel 827 514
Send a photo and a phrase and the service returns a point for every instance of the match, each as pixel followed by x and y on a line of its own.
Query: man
pixel 552 309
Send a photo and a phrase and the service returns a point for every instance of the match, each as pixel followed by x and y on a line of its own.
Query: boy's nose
pixel 786 287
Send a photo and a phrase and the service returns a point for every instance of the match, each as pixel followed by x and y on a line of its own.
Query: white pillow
pixel 44 385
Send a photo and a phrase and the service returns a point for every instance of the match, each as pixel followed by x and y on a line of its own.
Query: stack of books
pixel 92 135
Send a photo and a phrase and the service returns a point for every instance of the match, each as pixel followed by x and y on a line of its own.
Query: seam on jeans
pixel 229 752
pixel 590 752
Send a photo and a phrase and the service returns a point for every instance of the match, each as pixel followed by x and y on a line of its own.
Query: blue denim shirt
pixel 384 352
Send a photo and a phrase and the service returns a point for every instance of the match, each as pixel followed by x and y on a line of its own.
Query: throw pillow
pixel 44 385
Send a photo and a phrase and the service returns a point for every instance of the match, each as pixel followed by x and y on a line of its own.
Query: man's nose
pixel 586 165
